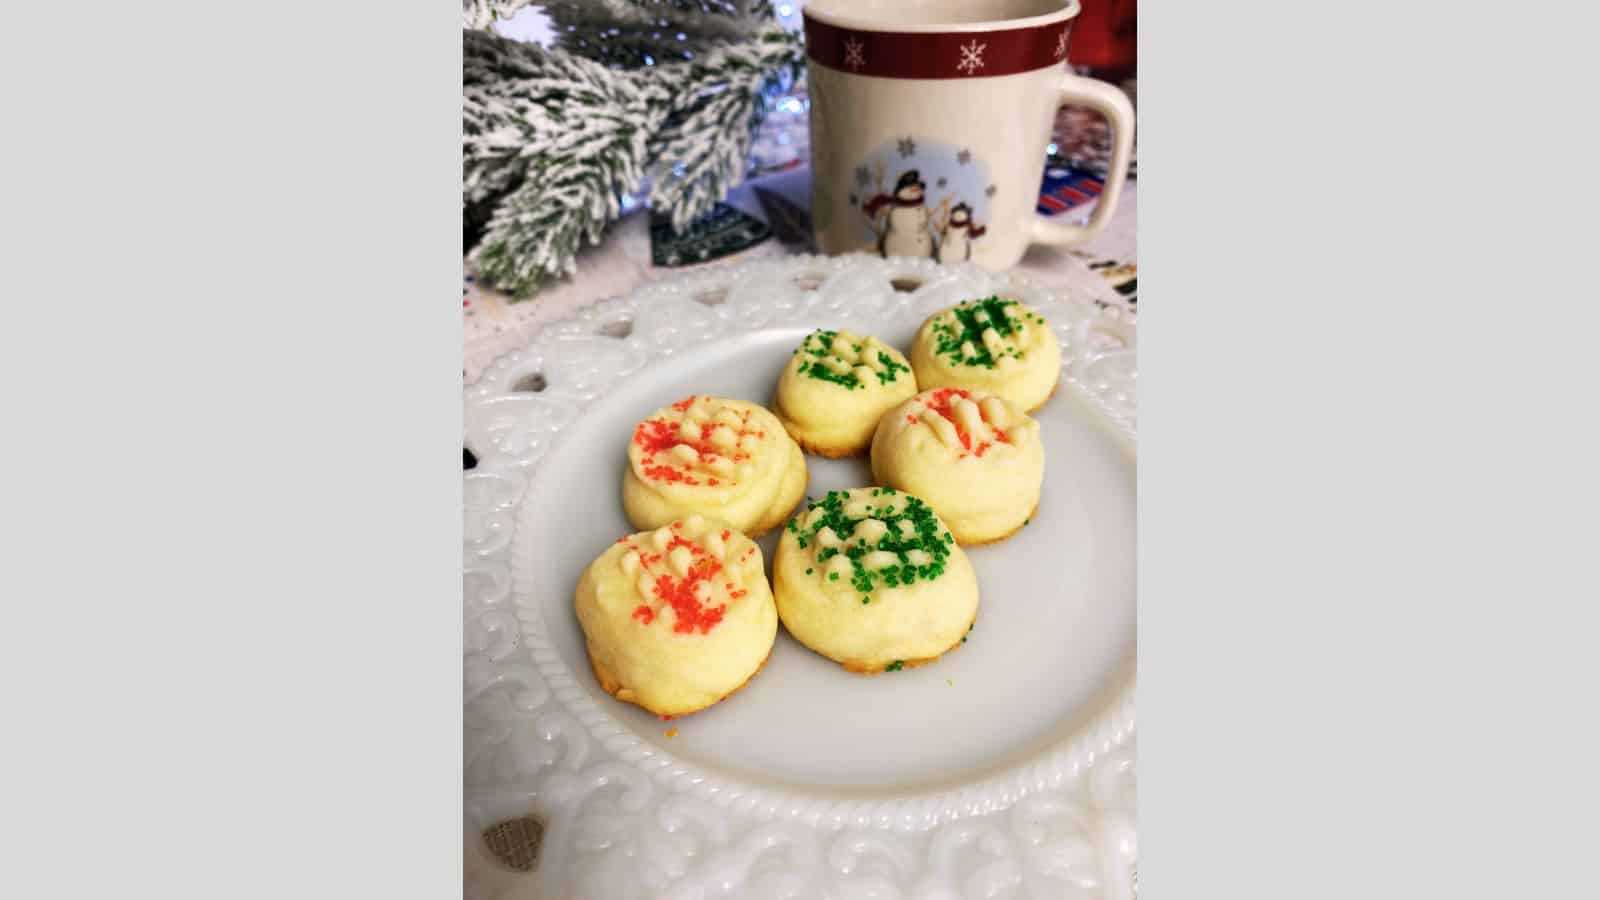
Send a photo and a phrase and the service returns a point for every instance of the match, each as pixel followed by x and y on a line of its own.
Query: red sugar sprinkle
pixel 939 401
pixel 684 404
pixel 678 541
pixel 658 435
pixel 690 613
pixel 725 533
pixel 667 473
pixel 679 593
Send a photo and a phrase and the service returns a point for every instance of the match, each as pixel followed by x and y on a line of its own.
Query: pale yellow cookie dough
pixel 995 345
pixel 972 455
pixel 717 457
pixel 873 580
pixel 679 617
pixel 836 386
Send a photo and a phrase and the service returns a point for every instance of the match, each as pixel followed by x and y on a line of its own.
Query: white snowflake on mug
pixel 971 57
pixel 1061 44
pixel 852 53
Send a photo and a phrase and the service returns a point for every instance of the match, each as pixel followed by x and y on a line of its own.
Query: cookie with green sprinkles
pixel 835 387
pixel 994 344
pixel 871 578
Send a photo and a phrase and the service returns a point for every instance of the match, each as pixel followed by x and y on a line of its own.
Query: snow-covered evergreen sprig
pixel 632 33
pixel 483 13
pixel 551 141
pixel 703 150
pixel 558 139
pixel 654 22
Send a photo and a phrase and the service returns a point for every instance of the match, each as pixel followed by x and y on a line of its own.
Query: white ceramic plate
pixel 1003 770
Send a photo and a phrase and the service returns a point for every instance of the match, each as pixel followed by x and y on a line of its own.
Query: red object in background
pixel 1105 38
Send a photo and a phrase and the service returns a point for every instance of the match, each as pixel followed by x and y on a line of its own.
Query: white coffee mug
pixel 929 123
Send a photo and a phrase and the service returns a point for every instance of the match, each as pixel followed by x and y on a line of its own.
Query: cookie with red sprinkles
pixel 973 456
pixel 679 617
pixel 712 456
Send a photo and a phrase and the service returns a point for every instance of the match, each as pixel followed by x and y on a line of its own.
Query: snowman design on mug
pixel 906 231
pixel 956 234
pixel 907 220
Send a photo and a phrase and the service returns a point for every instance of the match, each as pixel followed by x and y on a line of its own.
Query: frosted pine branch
pixel 727 20
pixel 565 136
pixel 583 28
pixel 481 14
pixel 703 150
pixel 551 140
pixel 594 28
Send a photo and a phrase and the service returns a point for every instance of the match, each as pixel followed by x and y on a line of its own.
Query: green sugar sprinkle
pixel 818 343
pixel 927 535
pixel 950 338
pixel 895 666
pixel 808 571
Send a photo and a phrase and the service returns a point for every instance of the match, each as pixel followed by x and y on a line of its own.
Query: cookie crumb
pixel 671 732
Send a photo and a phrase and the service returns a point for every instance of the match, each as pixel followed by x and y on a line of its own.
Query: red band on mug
pixel 954 54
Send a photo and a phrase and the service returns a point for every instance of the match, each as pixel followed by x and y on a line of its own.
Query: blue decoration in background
pixel 1065 189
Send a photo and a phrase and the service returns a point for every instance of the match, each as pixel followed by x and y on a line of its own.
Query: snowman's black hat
pixel 961 207
pixel 909 178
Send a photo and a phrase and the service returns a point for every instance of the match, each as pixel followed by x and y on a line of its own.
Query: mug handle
pixel 1112 103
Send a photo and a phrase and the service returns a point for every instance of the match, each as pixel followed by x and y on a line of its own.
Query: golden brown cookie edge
pixel 613 687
